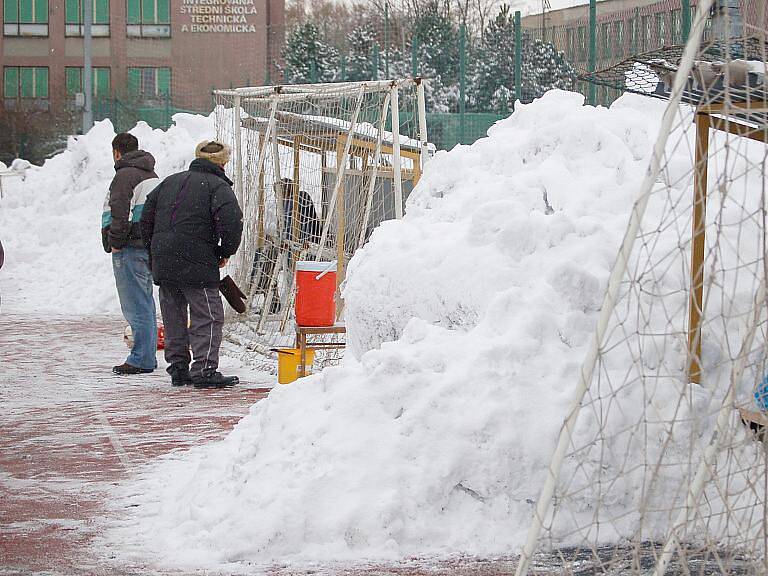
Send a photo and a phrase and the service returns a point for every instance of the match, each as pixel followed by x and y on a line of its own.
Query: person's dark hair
pixel 212 148
pixel 125 143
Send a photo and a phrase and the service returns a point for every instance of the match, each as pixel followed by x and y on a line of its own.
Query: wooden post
pixel 262 202
pixel 295 229
pixel 341 158
pixel 695 302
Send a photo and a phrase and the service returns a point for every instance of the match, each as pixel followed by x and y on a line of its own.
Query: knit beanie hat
pixel 216 152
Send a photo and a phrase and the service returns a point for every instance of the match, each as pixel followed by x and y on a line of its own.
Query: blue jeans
pixel 134 288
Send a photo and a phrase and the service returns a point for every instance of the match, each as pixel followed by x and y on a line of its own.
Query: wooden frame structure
pixel 337 145
pixel 349 143
pixel 733 118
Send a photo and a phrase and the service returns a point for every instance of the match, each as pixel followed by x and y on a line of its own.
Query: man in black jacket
pixel 121 236
pixel 192 224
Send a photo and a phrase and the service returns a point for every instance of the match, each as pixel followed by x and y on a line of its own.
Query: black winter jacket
pixel 189 222
pixel 125 200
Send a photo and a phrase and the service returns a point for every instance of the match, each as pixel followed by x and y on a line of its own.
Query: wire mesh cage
pixel 316 168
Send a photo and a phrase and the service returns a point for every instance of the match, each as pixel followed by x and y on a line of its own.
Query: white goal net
pixel 660 467
pixel 316 169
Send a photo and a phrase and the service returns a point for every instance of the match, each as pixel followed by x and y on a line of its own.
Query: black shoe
pixel 179 375
pixel 214 380
pixel 126 368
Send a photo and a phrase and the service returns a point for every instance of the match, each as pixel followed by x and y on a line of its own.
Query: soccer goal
pixel 660 466
pixel 316 168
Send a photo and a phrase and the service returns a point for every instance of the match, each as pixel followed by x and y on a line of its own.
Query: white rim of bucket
pixel 312 266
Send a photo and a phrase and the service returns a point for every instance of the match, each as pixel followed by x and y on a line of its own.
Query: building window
pixel 605 39
pixel 101 81
pixel 661 29
pixel 25 17
pixel 645 32
pixel 74 17
pixel 676 28
pixel 619 37
pixel 149 83
pixel 30 83
pixel 149 18
pixel 582 41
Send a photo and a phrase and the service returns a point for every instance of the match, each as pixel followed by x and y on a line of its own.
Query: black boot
pixel 179 374
pixel 214 380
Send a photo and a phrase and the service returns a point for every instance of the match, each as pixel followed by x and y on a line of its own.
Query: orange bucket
pixel 315 289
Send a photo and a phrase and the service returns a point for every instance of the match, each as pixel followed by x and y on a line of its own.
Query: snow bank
pixel 50 221
pixel 468 320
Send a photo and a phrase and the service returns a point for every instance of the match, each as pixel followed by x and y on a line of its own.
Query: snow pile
pixel 467 320
pixel 50 220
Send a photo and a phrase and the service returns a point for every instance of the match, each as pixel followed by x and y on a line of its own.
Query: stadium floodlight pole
pixel 87 65
pixel 394 102
pixel 544 504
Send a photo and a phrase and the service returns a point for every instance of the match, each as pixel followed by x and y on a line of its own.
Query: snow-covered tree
pixel 359 59
pixel 308 58
pixel 543 67
pixel 438 40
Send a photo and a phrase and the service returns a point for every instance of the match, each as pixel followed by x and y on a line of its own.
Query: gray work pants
pixel 201 309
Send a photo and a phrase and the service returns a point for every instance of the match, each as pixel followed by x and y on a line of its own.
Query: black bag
pixel 232 294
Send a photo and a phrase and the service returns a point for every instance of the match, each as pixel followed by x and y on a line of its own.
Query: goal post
pixel 652 444
pixel 317 167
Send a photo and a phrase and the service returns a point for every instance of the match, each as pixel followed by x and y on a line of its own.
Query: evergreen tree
pixel 494 64
pixel 543 67
pixel 438 39
pixel 359 60
pixel 308 58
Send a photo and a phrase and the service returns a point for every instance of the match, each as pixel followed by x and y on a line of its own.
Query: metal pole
pixel 394 102
pixel 518 57
pixel 462 79
pixel 87 65
pixel 592 48
pixel 414 57
pixel 543 506
pixel 386 40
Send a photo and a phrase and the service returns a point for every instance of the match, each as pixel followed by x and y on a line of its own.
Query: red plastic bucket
pixel 315 288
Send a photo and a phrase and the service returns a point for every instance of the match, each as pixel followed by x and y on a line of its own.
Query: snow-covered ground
pixel 467 320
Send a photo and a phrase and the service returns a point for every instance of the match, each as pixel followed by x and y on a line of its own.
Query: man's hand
pixel 223 262
pixel 115 250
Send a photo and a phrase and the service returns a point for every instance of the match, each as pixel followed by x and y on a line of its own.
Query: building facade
pixel 149 51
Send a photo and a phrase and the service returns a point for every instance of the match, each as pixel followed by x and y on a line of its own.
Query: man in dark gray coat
pixel 121 236
pixel 192 224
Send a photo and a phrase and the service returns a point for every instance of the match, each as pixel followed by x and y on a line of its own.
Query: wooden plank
pixel 697 248
pixel 737 129
pixel 340 223
pixel 295 189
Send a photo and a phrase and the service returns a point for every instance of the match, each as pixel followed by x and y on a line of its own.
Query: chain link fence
pixel 475 75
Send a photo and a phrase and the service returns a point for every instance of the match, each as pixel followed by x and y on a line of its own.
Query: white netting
pixel 315 169
pixel 656 470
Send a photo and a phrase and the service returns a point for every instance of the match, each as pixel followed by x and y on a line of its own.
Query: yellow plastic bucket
pixel 289 362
